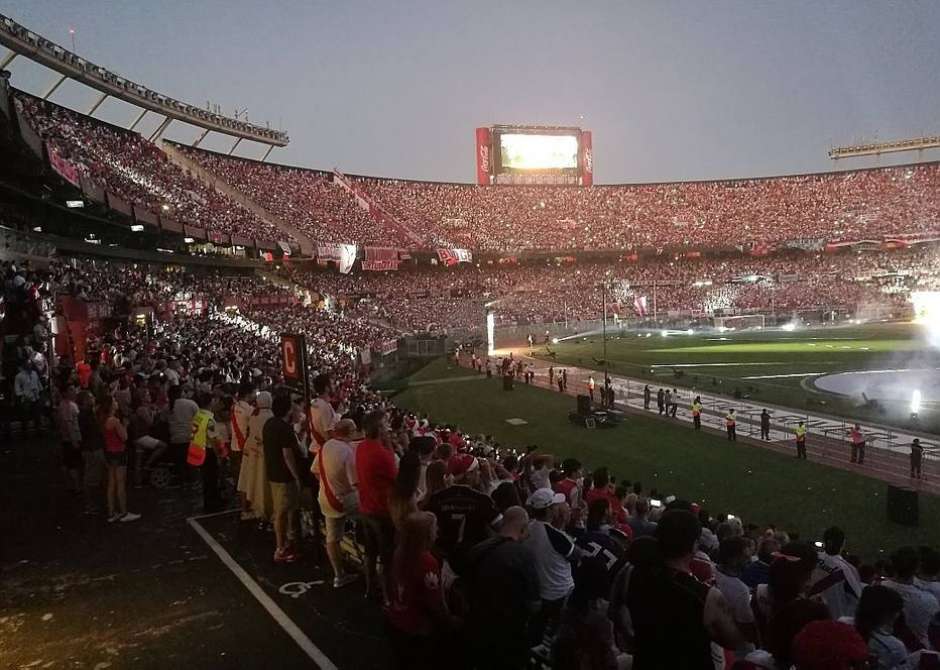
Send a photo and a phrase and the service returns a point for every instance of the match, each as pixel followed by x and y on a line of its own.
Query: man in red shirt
pixel 376 470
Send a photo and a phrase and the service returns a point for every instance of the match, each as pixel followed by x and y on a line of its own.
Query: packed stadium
pixel 265 400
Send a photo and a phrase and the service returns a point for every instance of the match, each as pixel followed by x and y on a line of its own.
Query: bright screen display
pixel 538 152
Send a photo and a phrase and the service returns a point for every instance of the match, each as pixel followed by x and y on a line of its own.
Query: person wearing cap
pixel 554 554
pixel 335 469
pixel 463 512
pixel 829 645
pixel 917 458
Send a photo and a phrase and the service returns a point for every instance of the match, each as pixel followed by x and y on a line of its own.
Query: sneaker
pixel 130 516
pixel 114 517
pixel 291 554
pixel 340 582
pixel 284 556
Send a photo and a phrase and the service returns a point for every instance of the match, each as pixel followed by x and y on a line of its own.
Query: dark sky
pixel 672 90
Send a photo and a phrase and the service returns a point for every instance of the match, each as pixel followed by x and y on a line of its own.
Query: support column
pixel 8 59
pixel 265 157
pixel 140 117
pixel 97 104
pixel 235 146
pixel 160 129
pixel 200 138
pixel 51 90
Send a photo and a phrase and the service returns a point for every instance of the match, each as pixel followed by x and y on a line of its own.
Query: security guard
pixel 858 444
pixel 697 412
pixel 730 425
pixel 800 431
pixel 917 458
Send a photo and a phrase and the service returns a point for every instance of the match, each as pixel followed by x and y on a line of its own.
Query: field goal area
pixel 742 322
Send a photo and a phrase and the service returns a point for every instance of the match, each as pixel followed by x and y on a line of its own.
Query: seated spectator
pixel 829 645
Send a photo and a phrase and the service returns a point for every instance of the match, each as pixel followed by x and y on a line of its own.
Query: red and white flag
pixel 639 305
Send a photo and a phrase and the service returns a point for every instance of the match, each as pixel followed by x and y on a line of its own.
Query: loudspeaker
pixel 903 507
pixel 584 405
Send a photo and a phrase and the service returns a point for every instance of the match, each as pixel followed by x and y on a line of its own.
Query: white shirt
pixel 919 608
pixel 241 410
pixel 172 376
pixel 552 549
pixel 181 420
pixel 844 584
pixel 323 419
pixel 339 465
pixel 26 385
pixel 738 596
pixel 933 587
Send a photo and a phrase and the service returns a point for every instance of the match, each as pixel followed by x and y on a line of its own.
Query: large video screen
pixel 538 152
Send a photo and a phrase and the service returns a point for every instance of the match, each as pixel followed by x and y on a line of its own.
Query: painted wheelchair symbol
pixel 297 589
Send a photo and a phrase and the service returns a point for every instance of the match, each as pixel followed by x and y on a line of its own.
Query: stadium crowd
pixel 481 555
pixel 857 205
pixel 127 165
pixel 415 300
pixel 307 199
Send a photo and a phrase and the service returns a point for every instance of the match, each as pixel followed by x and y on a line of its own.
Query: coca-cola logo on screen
pixel 484 158
pixel 589 161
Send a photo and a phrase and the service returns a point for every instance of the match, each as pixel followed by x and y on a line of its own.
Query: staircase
pixel 307 247
pixel 377 211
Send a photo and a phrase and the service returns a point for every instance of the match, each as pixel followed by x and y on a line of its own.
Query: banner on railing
pixel 380 266
pixel 64 168
pixel 454 256
pixel 344 255
pixel 388 347
pixel 380 259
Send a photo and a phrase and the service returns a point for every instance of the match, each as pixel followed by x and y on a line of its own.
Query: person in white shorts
pixel 335 468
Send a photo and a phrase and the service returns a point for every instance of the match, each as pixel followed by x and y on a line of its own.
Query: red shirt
pixel 376 469
pixel 618 515
pixel 415 595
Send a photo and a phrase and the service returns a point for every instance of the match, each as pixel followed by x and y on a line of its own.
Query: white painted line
pixel 272 608
pixel 794 374
pixel 213 514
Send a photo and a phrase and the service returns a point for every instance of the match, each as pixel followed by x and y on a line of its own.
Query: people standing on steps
pixel 667 402
pixel 800 431
pixel 661 401
pixel 731 425
pixel 674 406
pixel 765 425
pixel 647 396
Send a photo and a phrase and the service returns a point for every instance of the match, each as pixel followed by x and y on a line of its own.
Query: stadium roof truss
pixel 22 41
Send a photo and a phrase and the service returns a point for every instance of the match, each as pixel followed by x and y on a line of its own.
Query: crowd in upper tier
pixel 812 209
pixel 306 199
pixel 850 205
pixel 125 164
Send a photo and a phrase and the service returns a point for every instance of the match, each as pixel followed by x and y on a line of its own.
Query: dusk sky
pixel 671 90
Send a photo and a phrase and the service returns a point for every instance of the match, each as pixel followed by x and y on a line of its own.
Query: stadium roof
pixel 22 41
